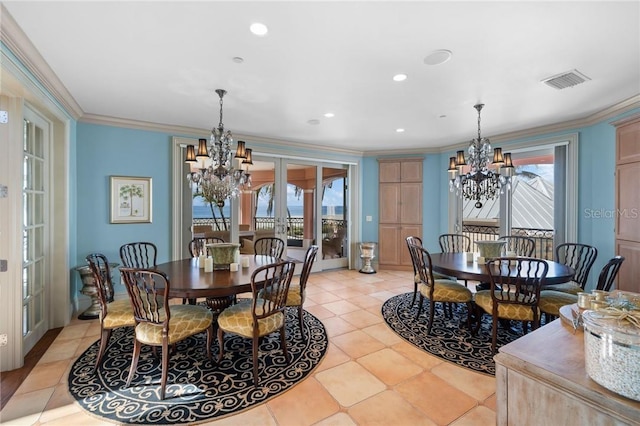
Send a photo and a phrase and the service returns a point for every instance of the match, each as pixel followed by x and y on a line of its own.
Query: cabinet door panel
pixel 628 274
pixel 389 172
pixel 411 171
pixel 389 201
pixel 411 203
pixel 628 200
pixel 388 245
pixel 628 143
pixel 407 231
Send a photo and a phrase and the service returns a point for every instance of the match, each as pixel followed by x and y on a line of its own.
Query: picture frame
pixel 131 199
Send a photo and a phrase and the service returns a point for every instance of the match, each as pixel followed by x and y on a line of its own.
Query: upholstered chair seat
pixel 551 301
pixel 186 320
pixel 447 291
pixel 119 314
pixel 570 288
pixel 505 311
pixel 239 319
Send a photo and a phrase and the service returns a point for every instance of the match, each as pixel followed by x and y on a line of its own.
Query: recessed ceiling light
pixel 313 122
pixel 443 116
pixel 259 29
pixel 238 60
pixel 438 57
pixel 399 77
pixel 399 130
pixel 329 115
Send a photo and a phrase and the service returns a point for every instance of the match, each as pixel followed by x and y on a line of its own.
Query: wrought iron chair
pixel 113 314
pixel 444 291
pixel 159 324
pixel 580 257
pixel 139 255
pixel 297 291
pixel 199 244
pixel 454 243
pixel 521 246
pixel 269 246
pixel 261 316
pixel 514 293
pixel 552 300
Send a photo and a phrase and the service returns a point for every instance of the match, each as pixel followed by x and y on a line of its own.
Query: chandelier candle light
pixel 220 180
pixel 479 181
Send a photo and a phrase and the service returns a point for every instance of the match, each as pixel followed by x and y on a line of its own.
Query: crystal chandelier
pixel 220 180
pixel 480 182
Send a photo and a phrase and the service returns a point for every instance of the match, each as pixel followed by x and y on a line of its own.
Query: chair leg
pixel 104 341
pixel 209 340
pixel 283 343
pixel 165 368
pixel 494 333
pixel 256 343
pixel 134 363
pixel 469 315
pixel 478 312
pixel 220 344
pixel 415 292
pixel 420 302
pixel 432 308
pixel 300 313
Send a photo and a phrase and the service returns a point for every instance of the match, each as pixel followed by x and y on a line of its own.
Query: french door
pixel 35 230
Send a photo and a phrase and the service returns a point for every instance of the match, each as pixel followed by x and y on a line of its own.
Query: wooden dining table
pixel 456 265
pixel 189 281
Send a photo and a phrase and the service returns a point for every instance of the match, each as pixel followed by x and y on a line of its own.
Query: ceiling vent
pixel 566 79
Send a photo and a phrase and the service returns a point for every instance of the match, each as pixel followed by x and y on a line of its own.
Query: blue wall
pixel 103 151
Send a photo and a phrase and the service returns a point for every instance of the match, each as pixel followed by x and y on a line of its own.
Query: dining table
pixel 189 281
pixel 456 265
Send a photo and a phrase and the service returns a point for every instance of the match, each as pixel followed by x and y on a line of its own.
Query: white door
pixel 35 230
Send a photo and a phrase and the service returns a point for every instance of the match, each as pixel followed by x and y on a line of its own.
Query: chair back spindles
pixel 580 257
pixel 148 292
pixel 517 280
pixel 269 246
pixel 454 243
pixel 521 246
pixel 274 280
pixel 101 271
pixel 609 273
pixel 198 245
pixel 139 255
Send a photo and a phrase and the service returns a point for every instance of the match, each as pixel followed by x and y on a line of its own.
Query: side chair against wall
pixel 139 255
pixel 521 246
pixel 113 314
pixel 159 324
pixel 552 300
pixel 454 243
pixel 444 291
pixel 260 317
pixel 199 245
pixel 297 291
pixel 269 246
pixel 580 257
pixel 514 293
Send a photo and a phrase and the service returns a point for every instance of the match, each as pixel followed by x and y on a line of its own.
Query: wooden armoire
pixel 628 202
pixel 400 210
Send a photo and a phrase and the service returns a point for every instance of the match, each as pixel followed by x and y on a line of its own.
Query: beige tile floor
pixel 369 376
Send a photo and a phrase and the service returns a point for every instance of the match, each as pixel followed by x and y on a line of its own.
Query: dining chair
pixel 552 300
pixel 198 245
pixel 159 324
pixel 437 290
pixel 514 293
pixel 609 273
pixel 269 246
pixel 297 291
pixel 113 313
pixel 521 246
pixel 260 317
pixel 454 243
pixel 139 255
pixel 580 257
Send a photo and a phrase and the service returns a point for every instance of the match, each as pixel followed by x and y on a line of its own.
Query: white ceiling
pixel 160 62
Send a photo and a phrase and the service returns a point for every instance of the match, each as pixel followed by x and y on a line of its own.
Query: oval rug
pixel 450 338
pixel 197 389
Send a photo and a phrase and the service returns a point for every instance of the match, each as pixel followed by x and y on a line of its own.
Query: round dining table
pixel 189 281
pixel 456 265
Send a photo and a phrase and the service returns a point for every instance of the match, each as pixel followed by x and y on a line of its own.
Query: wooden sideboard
pixel 541 380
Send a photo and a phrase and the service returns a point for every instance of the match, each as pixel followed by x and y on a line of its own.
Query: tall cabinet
pixel 628 202
pixel 400 211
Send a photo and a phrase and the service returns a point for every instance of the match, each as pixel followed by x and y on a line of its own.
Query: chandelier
pixel 480 182
pixel 220 180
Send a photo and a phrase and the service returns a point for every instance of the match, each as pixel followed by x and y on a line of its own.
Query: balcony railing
pixel 542 237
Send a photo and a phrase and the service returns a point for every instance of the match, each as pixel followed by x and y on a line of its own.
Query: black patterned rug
pixel 450 338
pixel 197 389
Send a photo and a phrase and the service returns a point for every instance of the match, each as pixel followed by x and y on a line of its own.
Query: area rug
pixel 450 338
pixel 197 389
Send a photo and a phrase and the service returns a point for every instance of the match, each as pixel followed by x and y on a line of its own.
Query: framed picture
pixel 130 199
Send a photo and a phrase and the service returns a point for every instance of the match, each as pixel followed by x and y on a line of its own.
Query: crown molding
pixel 17 41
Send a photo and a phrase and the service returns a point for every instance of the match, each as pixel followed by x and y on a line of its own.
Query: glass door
pixel 35 230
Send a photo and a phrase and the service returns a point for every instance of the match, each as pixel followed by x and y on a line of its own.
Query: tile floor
pixel 368 377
